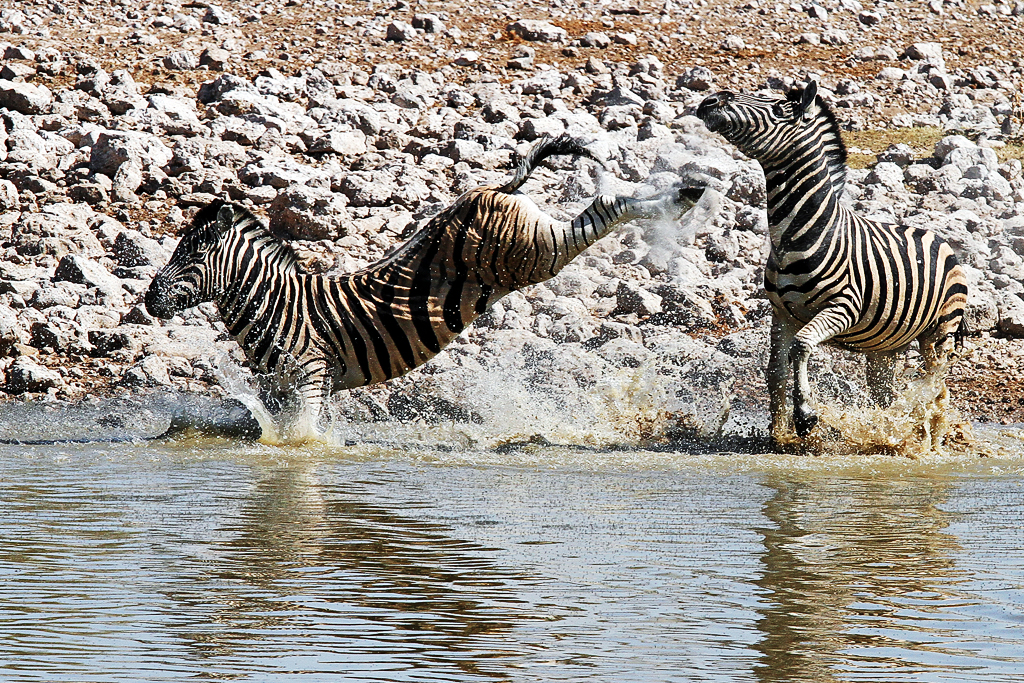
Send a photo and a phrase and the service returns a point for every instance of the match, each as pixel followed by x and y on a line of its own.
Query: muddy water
pixel 389 560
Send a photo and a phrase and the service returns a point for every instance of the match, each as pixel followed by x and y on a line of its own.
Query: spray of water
pixel 919 423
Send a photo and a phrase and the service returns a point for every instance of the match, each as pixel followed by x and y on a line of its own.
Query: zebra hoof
pixel 804 420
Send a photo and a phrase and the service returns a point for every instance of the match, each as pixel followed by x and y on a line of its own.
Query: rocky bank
pixel 361 120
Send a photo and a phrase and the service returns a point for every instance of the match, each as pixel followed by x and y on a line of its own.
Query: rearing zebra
pixel 307 336
pixel 832 275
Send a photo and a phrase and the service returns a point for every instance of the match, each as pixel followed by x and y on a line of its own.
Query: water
pixel 223 559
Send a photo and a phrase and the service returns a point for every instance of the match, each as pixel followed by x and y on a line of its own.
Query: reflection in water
pixel 851 569
pixel 384 577
pixel 205 559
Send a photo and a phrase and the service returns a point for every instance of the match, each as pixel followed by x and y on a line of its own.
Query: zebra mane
pixel 831 139
pixel 213 219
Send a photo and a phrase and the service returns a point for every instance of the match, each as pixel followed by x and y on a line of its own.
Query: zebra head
pixel 190 277
pixel 761 124
pixel 773 129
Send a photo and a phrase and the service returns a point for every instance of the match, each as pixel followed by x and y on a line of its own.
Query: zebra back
pixel 380 322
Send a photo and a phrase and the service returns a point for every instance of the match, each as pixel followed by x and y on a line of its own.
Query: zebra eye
pixel 778 111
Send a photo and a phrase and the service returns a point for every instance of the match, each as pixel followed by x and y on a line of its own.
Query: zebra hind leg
pixel 881 377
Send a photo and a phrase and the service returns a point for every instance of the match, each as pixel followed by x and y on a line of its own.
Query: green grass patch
pixel 921 140
pixel 1014 149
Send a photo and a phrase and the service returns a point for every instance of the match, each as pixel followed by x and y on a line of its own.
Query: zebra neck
pixel 256 265
pixel 802 199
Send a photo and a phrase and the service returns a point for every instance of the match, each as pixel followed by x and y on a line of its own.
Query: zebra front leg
pixel 312 393
pixel 804 417
pixel 777 374
pixel 822 327
pixel 881 377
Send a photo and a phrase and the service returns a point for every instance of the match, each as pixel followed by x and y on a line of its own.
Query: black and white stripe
pixel 832 275
pixel 309 335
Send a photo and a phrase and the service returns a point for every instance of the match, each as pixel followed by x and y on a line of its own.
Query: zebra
pixel 307 336
pixel 833 276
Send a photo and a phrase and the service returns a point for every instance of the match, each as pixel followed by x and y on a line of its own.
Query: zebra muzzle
pixel 710 110
pixel 159 299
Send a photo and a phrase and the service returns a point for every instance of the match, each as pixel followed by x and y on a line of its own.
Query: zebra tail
pixel 961 332
pixel 562 145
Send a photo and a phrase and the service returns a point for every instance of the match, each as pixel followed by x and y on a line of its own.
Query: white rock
pixel 535 30
pixel 27 375
pixel 113 148
pixel 181 60
pixel 25 98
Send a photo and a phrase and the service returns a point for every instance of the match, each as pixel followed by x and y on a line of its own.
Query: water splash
pixel 287 427
pixel 919 423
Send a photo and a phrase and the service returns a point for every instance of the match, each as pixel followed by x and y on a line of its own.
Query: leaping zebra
pixel 831 275
pixel 307 336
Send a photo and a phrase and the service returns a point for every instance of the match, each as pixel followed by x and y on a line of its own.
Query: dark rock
pixel 25 375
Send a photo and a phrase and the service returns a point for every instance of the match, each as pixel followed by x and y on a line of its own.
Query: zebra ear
pixel 808 110
pixel 225 218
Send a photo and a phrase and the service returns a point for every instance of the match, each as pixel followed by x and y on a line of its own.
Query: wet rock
pixel 131 249
pixel 58 293
pixel 151 371
pixel 108 342
pixel 25 375
pixel 631 298
pixel 303 212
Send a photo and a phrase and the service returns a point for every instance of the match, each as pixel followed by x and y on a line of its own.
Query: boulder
pixel 632 298
pixel 303 212
pixel 25 97
pixel 83 271
pixel 1011 316
pixel 114 147
pixel 25 375
pixel 181 60
pixel 400 31
pixel 536 30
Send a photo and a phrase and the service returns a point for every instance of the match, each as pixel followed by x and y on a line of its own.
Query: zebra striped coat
pixel 833 275
pixel 309 335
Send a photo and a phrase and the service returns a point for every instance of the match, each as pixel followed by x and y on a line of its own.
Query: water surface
pixel 183 559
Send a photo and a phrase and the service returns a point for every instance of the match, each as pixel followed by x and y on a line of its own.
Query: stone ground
pixel 665 55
